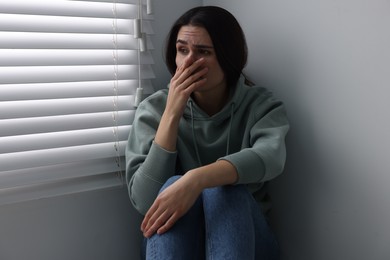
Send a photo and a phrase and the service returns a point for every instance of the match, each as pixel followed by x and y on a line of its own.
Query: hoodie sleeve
pixel 265 156
pixel 148 166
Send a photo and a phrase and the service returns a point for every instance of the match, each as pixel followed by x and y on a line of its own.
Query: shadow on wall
pixel 292 215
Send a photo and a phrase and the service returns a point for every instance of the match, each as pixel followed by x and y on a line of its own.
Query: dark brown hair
pixel 226 34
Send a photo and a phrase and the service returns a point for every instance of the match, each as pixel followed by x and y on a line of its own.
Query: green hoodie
pixel 249 132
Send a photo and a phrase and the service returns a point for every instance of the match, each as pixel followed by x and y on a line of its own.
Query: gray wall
pixel 330 62
pixel 91 225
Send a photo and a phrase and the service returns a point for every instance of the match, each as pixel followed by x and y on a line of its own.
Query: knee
pixel 170 181
pixel 232 197
pixel 229 193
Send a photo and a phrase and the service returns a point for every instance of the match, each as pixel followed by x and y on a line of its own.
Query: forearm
pixel 175 200
pixel 216 174
pixel 166 135
pixel 146 180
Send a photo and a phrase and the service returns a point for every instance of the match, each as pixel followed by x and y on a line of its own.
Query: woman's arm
pixel 151 150
pixel 182 84
pixel 177 199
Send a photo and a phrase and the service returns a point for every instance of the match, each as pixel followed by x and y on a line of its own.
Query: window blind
pixel 69 71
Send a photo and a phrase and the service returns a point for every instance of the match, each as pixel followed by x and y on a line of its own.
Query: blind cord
pixel 141 48
pixel 116 97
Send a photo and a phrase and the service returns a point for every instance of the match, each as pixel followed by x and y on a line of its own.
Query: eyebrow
pixel 199 46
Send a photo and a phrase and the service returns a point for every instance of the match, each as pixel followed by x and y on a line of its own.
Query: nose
pixel 192 56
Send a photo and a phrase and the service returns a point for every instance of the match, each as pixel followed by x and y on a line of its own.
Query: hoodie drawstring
pixel 194 136
pixel 230 129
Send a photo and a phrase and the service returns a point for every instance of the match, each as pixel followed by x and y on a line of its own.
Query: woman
pixel 201 150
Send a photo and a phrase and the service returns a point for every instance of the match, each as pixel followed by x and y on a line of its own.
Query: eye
pixel 204 52
pixel 182 50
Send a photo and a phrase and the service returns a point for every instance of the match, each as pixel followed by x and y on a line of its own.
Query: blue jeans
pixel 224 223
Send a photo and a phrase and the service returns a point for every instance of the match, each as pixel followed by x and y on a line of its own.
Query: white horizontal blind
pixel 68 74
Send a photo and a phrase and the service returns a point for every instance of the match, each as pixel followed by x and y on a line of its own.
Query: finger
pixel 193 67
pixel 194 78
pixel 187 69
pixel 168 224
pixel 160 221
pixel 181 68
pixel 144 223
pixel 150 222
pixel 148 216
pixel 189 61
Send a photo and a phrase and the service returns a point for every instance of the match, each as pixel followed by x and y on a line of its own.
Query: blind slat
pixel 69 8
pixel 36 23
pixel 36 40
pixel 42 57
pixel 53 107
pixel 21 143
pixel 37 91
pixel 117 1
pixel 38 158
pixel 47 74
pixel 57 188
pixel 37 175
pixel 25 126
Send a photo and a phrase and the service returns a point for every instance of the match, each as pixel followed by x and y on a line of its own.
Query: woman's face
pixel 193 43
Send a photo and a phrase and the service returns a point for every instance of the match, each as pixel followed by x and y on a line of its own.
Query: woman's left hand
pixel 170 205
